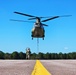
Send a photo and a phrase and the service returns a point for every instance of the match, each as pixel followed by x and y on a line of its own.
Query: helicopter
pixel 38 30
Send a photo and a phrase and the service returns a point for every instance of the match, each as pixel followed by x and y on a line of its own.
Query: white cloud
pixel 66 48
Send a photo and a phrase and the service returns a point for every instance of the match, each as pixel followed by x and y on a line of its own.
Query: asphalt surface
pixel 25 67
pixel 16 67
pixel 60 67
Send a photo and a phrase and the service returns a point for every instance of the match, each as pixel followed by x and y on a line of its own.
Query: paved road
pixel 60 67
pixel 25 67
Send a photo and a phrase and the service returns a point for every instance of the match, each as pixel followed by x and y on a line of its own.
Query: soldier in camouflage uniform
pixel 28 52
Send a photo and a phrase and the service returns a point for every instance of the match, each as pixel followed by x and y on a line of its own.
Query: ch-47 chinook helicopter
pixel 38 29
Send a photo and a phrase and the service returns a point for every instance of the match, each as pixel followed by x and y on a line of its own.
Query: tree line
pixel 40 55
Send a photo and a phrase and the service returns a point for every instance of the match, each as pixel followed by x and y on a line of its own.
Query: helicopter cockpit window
pixel 36 25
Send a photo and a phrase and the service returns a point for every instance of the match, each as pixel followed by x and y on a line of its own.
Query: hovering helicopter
pixel 38 30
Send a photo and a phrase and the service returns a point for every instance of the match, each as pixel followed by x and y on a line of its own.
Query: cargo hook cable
pixel 37 45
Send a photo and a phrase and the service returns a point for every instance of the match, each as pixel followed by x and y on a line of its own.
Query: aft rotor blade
pixel 24 14
pixel 50 18
pixel 22 21
pixel 44 25
pixel 65 15
pixel 55 17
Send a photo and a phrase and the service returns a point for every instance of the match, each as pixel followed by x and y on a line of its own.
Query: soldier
pixel 28 52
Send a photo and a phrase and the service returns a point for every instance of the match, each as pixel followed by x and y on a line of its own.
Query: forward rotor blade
pixel 32 18
pixel 30 15
pixel 22 21
pixel 24 14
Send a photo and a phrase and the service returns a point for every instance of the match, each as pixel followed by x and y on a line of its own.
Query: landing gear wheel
pixel 43 38
pixel 32 38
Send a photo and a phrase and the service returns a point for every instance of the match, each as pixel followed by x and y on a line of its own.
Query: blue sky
pixel 60 35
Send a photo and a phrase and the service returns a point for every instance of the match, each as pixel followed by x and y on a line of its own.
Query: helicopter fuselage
pixel 38 31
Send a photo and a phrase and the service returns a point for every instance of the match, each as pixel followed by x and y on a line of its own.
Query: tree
pixel 7 56
pixel 47 55
pixel 64 56
pixel 22 55
pixel 15 55
pixel 60 55
pixel 74 55
pixel 40 55
pixel 55 56
pixel 33 56
pixel 1 55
